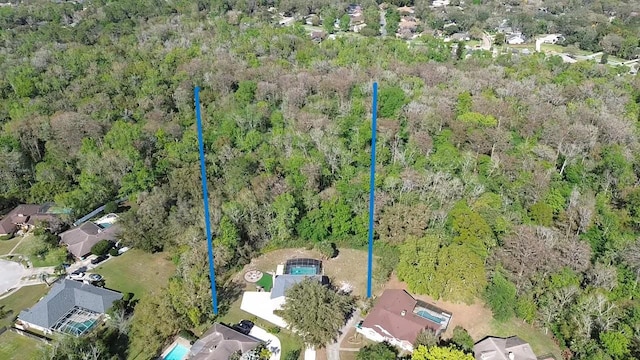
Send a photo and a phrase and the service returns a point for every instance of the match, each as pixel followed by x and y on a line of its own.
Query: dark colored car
pixel 99 259
pixel 244 326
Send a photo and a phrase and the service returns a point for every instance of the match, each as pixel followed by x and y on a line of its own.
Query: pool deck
pixel 179 340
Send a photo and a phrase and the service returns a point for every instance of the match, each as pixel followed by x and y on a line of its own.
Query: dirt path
pixel 475 318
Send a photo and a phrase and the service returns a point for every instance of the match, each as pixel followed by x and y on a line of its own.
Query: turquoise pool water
pixel 428 316
pixel 178 352
pixel 78 328
pixel 303 270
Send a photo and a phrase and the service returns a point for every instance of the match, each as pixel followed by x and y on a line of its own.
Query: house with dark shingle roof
pixel 398 319
pixel 26 216
pixel 81 239
pixel 220 343
pixel 70 307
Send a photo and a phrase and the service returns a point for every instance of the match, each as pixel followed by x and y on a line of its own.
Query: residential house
pixel 398 318
pixel 494 348
pixel 318 36
pixel 70 307
pixel 81 239
pixel 25 217
pixel 406 10
pixel 457 37
pixel 407 28
pixel 440 3
pixel 220 342
pixel 515 39
pixel 353 9
pixel 263 304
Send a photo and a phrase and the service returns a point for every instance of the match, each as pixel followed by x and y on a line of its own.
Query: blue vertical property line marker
pixel 372 182
pixel 205 199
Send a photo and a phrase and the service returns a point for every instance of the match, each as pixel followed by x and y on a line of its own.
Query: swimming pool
pixel 428 316
pixel 303 270
pixel 178 352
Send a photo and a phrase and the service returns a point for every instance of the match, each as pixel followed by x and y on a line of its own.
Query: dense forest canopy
pixel 519 172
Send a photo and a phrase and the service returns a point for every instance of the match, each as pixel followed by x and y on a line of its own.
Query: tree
pixel 315 312
pixel 345 22
pixel 418 263
pixel 102 247
pixel 426 337
pixel 439 353
pixel 501 297
pixel 378 351
pixel 462 339
pixel 327 249
pixel 616 344
pixel 391 100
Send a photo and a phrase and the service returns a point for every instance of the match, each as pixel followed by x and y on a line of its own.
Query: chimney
pixel 403 312
pixel 511 356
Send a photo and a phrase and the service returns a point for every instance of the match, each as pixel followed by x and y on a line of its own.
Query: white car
pixel 76 276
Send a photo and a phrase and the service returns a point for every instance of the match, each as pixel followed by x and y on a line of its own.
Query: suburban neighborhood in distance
pixel 319 180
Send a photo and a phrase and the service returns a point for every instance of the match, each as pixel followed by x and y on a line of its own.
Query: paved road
pixel 486 41
pixel 383 23
pixel 333 350
pixel 10 274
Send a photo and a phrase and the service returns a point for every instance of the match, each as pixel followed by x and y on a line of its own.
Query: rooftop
pixel 220 342
pixel 398 314
pixel 65 297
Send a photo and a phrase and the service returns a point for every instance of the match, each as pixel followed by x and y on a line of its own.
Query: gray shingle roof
pixel 63 296
pixel 220 342
pixel 283 282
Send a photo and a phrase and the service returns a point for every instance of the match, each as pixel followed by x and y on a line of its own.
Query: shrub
pixel 292 354
pixel 327 249
pixel 114 252
pixel 273 330
pixel 187 335
pixel 102 247
pixel 110 207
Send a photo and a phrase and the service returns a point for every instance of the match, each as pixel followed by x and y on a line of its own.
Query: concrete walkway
pixel 333 350
pixel 310 354
pixel 272 341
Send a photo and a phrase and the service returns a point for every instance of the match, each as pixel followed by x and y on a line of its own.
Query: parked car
pixel 76 275
pixel 99 259
pixel 95 277
pixel 244 326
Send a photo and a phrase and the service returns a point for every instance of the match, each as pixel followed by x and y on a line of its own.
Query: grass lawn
pixel 20 300
pixel 266 281
pixel 7 245
pixel 23 249
pixel 14 346
pixel 137 272
pixel 53 258
pixel 540 343
pixel 288 340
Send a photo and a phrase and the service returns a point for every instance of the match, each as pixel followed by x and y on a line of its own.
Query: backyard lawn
pixel 18 347
pixel 22 299
pixel 345 268
pixel 137 272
